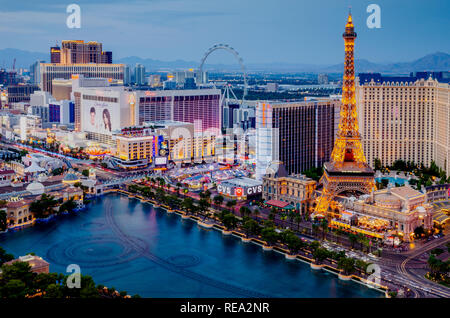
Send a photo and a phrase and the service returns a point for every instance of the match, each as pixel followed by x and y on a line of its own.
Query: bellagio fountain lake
pixel 132 246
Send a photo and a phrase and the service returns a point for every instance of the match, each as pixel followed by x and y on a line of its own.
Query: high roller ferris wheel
pixel 231 50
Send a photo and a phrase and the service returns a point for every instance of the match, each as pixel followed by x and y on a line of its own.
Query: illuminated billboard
pixel 100 116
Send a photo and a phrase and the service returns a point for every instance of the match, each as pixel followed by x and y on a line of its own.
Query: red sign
pixel 239 192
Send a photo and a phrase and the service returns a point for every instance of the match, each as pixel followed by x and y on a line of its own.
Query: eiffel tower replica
pixel 347 171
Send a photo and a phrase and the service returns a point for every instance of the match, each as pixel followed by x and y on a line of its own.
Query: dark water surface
pixel 131 246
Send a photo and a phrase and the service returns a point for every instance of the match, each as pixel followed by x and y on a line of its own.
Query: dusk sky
pixel 260 30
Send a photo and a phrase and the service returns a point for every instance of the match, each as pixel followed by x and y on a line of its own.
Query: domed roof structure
pixel 70 178
pixel 387 200
pixel 36 188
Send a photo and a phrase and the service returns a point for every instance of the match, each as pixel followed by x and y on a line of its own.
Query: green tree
pixel 67 206
pixel 230 204
pixel 13 288
pixel 43 207
pixel 5 257
pixel 324 227
pixel 293 242
pixel 85 172
pixel 3 221
pixel 218 199
pixel 353 239
pixel 229 221
pixel 377 164
pixel 188 204
pixel 244 211
pixel 250 226
pixel 320 254
pixel 347 264
pixel 269 235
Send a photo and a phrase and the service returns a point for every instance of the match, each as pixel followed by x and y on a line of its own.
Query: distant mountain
pixel 438 61
pixel 432 62
pixel 23 58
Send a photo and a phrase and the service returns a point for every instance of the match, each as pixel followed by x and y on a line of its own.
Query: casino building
pixel 296 190
pixel 405 117
pixel 393 211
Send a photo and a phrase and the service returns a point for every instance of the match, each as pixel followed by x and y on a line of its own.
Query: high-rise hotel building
pixel 405 118
pixel 200 107
pixel 299 134
pixel 80 52
pixel 78 57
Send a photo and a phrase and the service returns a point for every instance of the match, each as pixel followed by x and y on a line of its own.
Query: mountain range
pixel 438 61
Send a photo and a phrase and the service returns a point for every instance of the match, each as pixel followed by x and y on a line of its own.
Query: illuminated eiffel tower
pixel 347 171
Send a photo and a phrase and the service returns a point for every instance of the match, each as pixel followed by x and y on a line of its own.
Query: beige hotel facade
pixel 404 118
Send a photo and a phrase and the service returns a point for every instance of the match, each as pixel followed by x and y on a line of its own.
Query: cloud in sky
pixel 297 31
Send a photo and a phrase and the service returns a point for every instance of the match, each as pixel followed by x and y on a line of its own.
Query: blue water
pixel 131 246
pixel 393 180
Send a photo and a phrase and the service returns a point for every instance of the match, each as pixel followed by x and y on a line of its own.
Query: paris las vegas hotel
pixel 405 118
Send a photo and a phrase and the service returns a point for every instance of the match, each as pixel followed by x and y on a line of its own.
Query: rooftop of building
pixel 306 102
pixel 406 192
pixel 378 78
pixel 34 261
pixel 242 182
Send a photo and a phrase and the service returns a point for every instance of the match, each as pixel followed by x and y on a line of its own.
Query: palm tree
pixel 361 238
pixel 188 204
pixel 231 204
pixel 324 226
pixel 244 211
pixel 269 235
pixel 162 182
pixel 229 221
pixel 203 207
pixel 353 239
pixel 347 264
pixel 208 195
pixel 320 254
pixel 250 226
pixel 218 199
pixel 179 185
pixel 256 212
pixel 315 228
pixel 338 233
pixel 3 221
pixel 298 219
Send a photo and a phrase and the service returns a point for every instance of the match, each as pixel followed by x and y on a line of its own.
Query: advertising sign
pixel 100 117
pixel 239 191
